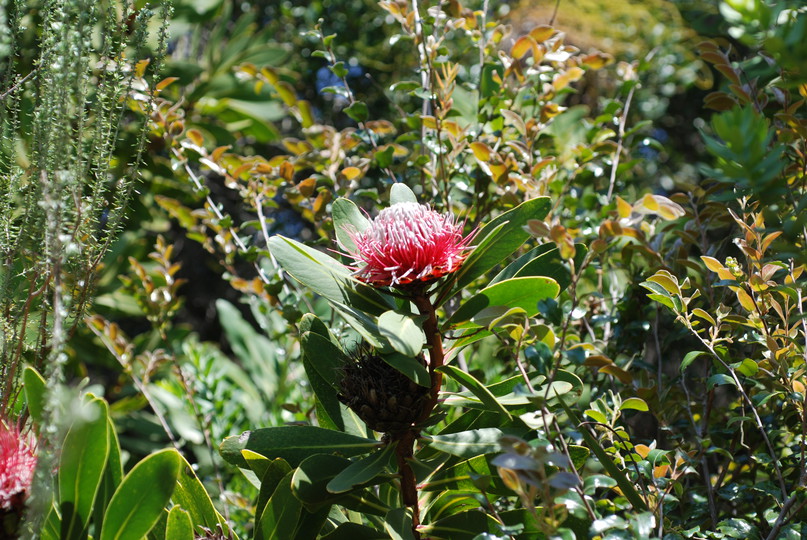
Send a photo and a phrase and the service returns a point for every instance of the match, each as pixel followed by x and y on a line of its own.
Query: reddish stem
pixel 434 342
pixel 406 440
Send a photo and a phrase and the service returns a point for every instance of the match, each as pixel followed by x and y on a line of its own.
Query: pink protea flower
pixel 17 463
pixel 406 243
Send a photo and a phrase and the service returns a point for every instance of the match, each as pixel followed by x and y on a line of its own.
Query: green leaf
pixel 311 523
pixel 179 525
pixel 400 192
pixel 257 463
pixel 338 68
pixel 51 525
pixel 468 475
pixel 625 485
pixel 270 480
pixel 497 240
pixel 35 390
pixel 355 531
pixel 282 513
pixel 357 111
pixel 719 379
pixel 524 293
pixel 635 403
pixel 141 497
pixel 462 526
pixel 466 444
pixel 579 455
pixel 384 158
pixel 747 367
pixel 544 260
pixel 596 415
pixel 322 361
pixel 112 477
pixel 477 388
pixel 402 332
pixel 310 480
pixel 191 495
pixel 596 481
pixel 81 467
pixel 364 470
pixel 411 367
pixel 398 523
pixel 347 219
pixel 294 444
pixel 689 358
pixel 325 357
pixel 326 276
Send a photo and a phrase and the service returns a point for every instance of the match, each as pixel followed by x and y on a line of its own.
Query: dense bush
pixel 404 270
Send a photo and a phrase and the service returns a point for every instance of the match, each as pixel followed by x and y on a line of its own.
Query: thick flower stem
pixel 409 493
pixel 406 440
pixel 434 342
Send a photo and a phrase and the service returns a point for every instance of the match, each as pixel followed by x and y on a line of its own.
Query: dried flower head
pixel 17 463
pixel 406 243
pixel 383 397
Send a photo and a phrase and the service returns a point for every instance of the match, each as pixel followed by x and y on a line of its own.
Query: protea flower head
pixel 17 463
pixel 408 243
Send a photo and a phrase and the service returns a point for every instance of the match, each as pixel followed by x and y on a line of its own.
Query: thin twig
pixel 8 92
pixel 621 135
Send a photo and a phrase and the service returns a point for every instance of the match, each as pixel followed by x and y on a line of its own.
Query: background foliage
pixel 649 162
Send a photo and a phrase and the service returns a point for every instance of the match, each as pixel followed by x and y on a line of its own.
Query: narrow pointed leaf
pixel 191 495
pixel 35 390
pixel 625 485
pixel 363 470
pixel 477 388
pixel 326 276
pixel 294 444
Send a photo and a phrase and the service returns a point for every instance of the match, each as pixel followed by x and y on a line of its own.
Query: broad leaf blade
pixel 294 444
pixel 141 497
pixel 523 293
pixel 363 471
pixel 400 192
pixel 326 276
pixel 179 525
pixel 347 219
pixel 84 456
pixel 477 388
pixel 282 513
pixel 467 444
pixel 498 239
pixel 402 332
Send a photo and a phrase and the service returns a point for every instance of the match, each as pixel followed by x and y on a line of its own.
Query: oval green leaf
pixel 84 456
pixel 402 332
pixel 179 525
pixel 141 497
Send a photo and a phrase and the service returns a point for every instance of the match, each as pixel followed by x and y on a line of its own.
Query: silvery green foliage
pixel 68 160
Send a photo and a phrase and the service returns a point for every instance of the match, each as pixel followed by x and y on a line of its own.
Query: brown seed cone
pixel 383 397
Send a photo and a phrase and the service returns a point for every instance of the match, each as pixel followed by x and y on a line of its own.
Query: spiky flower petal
pixel 406 243
pixel 17 463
